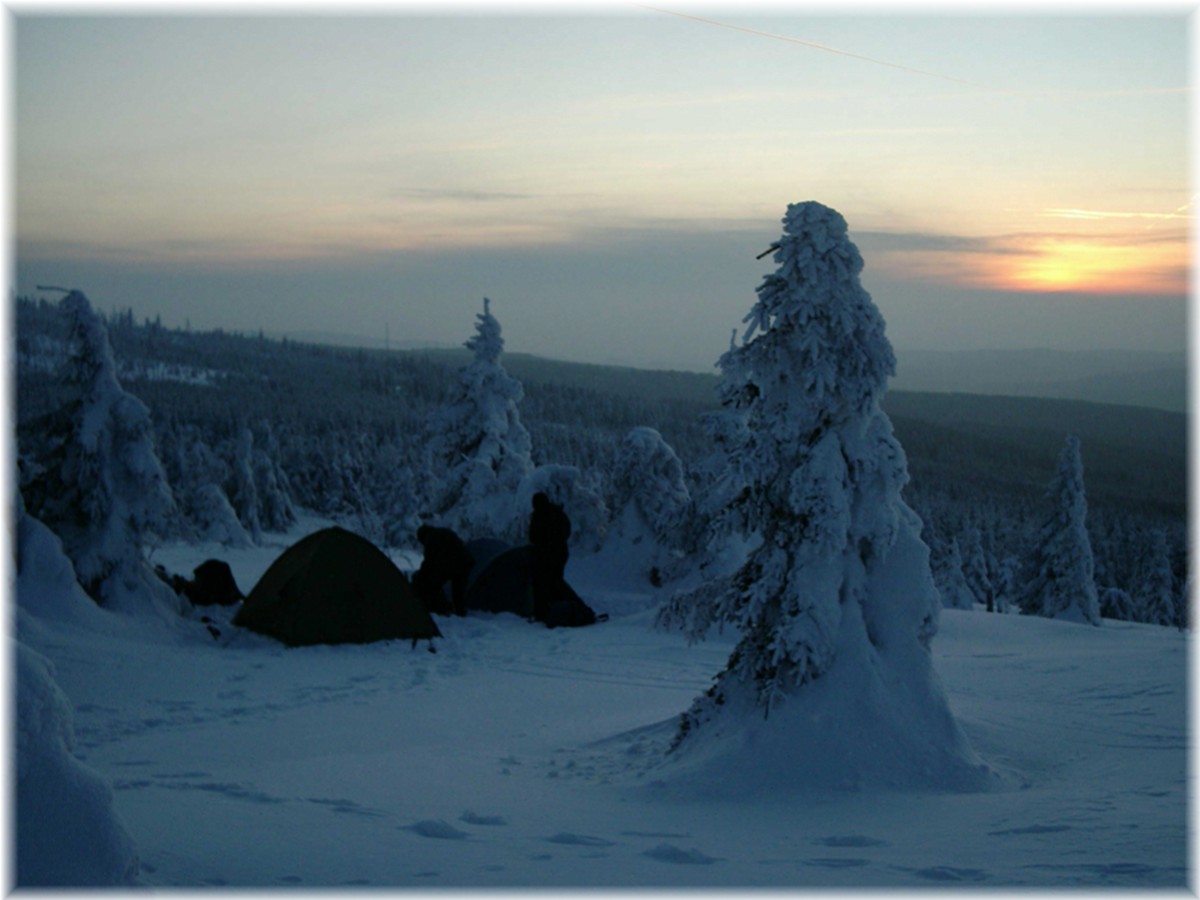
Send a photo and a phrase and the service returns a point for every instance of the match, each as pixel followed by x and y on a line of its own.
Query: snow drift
pixel 67 832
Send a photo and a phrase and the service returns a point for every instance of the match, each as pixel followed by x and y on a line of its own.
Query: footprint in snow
pixel 950 873
pixel 437 828
pixel 579 840
pixel 838 863
pixel 672 854
pixel 348 807
pixel 472 818
pixel 850 840
pixel 1032 829
pixel 656 834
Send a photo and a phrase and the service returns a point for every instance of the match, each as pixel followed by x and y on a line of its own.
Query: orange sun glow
pixel 1052 264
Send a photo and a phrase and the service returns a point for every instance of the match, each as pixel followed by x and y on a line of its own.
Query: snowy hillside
pixel 517 756
pixel 821 736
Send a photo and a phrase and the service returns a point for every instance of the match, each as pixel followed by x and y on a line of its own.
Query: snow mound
pixel 878 720
pixel 48 593
pixel 46 583
pixel 851 732
pixel 68 834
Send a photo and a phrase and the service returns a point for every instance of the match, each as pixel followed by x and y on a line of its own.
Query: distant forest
pixel 344 429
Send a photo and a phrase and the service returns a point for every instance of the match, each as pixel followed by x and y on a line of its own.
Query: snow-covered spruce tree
pixel 651 501
pixel 241 488
pixel 103 490
pixel 1183 605
pixel 978 568
pixel 400 517
pixel 1115 603
pixel 1058 570
pixel 1007 577
pixel 276 511
pixel 950 579
pixel 1155 597
pixel 835 603
pixel 479 450
pixel 197 473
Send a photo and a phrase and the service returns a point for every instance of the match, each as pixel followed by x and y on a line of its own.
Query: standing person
pixel 549 531
pixel 446 559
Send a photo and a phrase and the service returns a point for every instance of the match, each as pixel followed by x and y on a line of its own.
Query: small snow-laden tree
pixel 950 579
pixel 357 508
pixel 198 473
pixel 1058 579
pixel 241 487
pixel 1006 581
pixel 1155 595
pixel 650 499
pixel 577 492
pixel 1183 608
pixel 480 453
pixel 400 508
pixel 835 603
pixel 1115 603
pixel 978 568
pixel 103 489
pixel 276 512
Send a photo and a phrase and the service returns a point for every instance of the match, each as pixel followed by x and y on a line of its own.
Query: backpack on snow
pixel 569 611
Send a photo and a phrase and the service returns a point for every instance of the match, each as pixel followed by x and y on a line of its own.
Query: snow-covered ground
pixel 517 756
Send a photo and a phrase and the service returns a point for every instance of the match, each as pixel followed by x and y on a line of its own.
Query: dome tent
pixel 503 583
pixel 334 587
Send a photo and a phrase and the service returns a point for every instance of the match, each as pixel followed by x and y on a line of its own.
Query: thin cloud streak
pixel 460 194
pixel 1093 214
pixel 813 45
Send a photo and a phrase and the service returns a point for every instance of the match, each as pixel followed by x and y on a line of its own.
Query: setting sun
pixel 1094 264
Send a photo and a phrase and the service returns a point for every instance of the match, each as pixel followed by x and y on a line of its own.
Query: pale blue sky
pixel 607 179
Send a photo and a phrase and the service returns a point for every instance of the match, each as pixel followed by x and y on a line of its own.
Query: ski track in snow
pixel 516 756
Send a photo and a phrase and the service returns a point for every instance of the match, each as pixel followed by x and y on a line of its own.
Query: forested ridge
pixel 345 432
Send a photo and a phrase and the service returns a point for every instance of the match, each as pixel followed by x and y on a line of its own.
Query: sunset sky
pixel 607 175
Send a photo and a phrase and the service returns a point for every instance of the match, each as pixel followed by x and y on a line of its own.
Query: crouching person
pixel 446 559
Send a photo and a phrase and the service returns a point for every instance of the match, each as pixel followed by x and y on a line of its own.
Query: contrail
pixel 813 45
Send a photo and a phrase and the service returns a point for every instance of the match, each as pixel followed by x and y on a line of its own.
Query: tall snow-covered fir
pixel 99 484
pixel 479 450
pixel 1059 578
pixel 835 598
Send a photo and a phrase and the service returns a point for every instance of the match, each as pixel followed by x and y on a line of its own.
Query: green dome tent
pixel 334 587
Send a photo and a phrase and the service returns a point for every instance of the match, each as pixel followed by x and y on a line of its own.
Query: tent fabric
pixel 483 551
pixel 335 587
pixel 504 584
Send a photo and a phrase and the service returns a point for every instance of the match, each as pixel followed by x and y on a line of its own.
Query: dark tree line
pixel 251 429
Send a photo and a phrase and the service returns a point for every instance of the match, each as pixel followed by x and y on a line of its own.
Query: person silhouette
pixel 549 533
